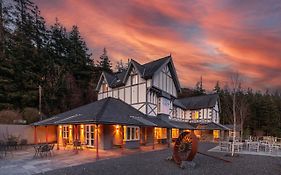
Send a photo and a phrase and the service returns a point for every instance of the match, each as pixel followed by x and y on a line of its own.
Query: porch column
pixel 59 136
pixel 97 141
pixel 35 135
pixel 153 131
pixel 168 137
pixel 82 133
pixel 122 144
pixel 75 138
pixel 46 132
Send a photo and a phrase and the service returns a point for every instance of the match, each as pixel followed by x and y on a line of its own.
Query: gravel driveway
pixel 155 163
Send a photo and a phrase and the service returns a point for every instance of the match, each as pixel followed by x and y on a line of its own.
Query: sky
pixel 208 38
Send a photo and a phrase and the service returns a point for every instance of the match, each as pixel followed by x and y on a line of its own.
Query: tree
pixel 105 63
pixel 243 109
pixel 217 88
pixel 7 73
pixel 120 66
pixel 235 85
pixel 199 90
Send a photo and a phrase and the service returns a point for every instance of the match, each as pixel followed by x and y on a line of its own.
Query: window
pixel 134 79
pixel 131 133
pixel 175 133
pixel 65 132
pixel 160 133
pixel 195 115
pixel 90 135
pixel 104 87
pixel 216 134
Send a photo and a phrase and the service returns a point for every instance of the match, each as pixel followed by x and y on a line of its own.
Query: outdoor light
pixel 117 127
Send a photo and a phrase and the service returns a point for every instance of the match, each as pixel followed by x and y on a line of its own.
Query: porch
pixel 23 162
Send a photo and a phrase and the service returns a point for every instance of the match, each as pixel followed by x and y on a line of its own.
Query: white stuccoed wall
pixel 27 132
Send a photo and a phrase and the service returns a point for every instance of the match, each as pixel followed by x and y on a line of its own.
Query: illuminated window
pixel 175 133
pixel 134 79
pixel 104 87
pixel 216 134
pixel 131 133
pixel 160 133
pixel 195 115
pixel 65 132
pixel 90 135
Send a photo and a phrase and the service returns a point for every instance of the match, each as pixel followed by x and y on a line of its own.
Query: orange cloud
pixel 208 38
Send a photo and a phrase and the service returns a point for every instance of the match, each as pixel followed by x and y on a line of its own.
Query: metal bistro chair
pixel 37 149
pixel 3 149
pixel 77 145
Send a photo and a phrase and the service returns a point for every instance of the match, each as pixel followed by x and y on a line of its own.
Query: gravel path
pixel 155 163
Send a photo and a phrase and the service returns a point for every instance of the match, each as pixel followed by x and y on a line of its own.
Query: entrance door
pixel 90 135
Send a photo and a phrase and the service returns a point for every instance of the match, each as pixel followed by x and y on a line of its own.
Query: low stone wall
pixel 27 132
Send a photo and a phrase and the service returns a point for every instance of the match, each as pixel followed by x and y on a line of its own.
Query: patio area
pixel 23 162
pixel 265 146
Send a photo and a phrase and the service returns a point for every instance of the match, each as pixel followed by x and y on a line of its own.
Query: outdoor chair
pixel 77 145
pixel 255 146
pixel 3 149
pixel 12 144
pixel 37 149
pixel 65 143
pixel 224 146
pixel 46 149
pixel 23 143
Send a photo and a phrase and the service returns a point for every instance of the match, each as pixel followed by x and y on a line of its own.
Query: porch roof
pixel 105 111
pixel 162 120
pixel 182 125
pixel 209 126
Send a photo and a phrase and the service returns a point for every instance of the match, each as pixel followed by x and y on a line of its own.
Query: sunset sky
pixel 211 38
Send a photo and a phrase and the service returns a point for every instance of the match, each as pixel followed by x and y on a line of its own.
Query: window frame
pixel 134 133
pixel 65 131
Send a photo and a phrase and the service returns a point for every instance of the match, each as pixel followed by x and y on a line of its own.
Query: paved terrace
pixel 155 163
pixel 139 161
pixel 22 162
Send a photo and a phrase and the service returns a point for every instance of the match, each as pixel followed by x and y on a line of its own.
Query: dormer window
pixel 104 87
pixel 134 79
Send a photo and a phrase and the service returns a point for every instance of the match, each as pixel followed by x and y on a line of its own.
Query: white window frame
pixel 90 135
pixel 65 131
pixel 131 136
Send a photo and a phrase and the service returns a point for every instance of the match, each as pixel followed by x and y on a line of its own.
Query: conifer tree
pixel 104 63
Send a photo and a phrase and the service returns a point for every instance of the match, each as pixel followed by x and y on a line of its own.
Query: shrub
pixel 8 116
pixel 30 115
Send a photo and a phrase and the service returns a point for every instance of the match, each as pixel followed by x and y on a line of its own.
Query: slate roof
pixel 182 125
pixel 151 67
pixel 199 102
pixel 178 103
pixel 209 126
pixel 105 111
pixel 146 71
pixel 162 120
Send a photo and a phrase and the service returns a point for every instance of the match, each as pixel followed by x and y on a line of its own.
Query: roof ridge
pixel 102 108
pixel 169 56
